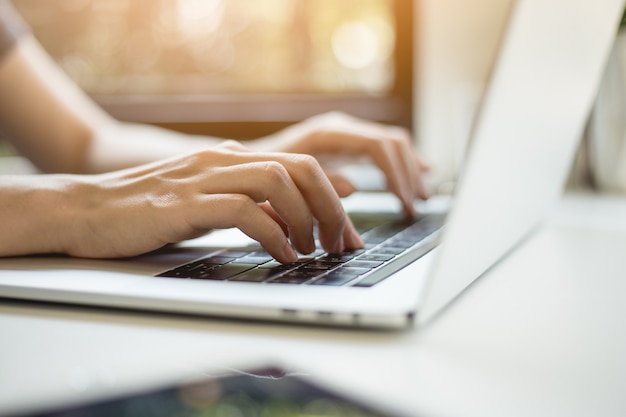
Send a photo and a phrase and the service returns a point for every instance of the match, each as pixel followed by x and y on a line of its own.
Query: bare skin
pixel 112 189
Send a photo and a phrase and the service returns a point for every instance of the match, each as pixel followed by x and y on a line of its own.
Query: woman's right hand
pixel 272 197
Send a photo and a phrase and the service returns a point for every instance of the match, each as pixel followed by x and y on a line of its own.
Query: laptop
pixel 523 141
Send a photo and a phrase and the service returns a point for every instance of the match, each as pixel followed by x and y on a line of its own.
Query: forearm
pixel 60 129
pixel 119 145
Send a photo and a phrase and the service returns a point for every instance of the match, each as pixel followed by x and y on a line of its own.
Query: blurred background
pixel 246 66
pixel 156 47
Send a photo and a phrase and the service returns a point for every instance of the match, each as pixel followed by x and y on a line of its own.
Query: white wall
pixel 456 44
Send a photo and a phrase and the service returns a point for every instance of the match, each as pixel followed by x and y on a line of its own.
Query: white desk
pixel 541 334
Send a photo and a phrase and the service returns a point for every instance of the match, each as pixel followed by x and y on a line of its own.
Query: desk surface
pixel 540 334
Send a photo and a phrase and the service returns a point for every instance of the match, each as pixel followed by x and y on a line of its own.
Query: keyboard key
pixel 341 276
pixel 225 271
pixel 187 270
pixel 251 260
pixel 322 265
pixel 339 257
pixel 375 257
pixel 334 278
pixel 215 260
pixel 292 277
pixel 364 264
pixel 257 275
pixel 256 257
pixel 305 273
pixel 280 267
pixel 387 250
pixel 232 253
pixel 174 273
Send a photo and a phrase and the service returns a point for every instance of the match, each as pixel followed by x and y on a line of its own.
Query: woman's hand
pixel 337 134
pixel 272 197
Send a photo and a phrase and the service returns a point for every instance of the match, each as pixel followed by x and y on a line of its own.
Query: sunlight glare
pixel 355 45
pixel 199 17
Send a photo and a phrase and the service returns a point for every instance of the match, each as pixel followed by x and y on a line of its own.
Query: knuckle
pixel 400 135
pixel 276 172
pixel 199 158
pixel 240 205
pixel 379 146
pixel 403 139
pixel 307 163
pixel 202 155
pixel 232 145
pixel 390 145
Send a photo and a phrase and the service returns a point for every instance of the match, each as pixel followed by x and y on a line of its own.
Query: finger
pixel 394 169
pixel 240 211
pixel 320 199
pixel 351 236
pixel 268 181
pixel 388 159
pixel 413 165
pixel 421 162
pixel 341 184
pixel 267 207
pixel 415 168
pixel 361 139
pixel 401 174
pixel 422 190
pixel 412 168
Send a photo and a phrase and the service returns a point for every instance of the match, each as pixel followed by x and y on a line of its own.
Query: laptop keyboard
pixel 386 240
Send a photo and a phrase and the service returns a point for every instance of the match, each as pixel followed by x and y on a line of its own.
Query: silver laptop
pixel 523 141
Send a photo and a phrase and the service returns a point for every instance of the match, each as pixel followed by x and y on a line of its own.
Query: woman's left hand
pixel 336 134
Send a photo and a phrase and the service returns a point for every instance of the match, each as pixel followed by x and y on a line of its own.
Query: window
pixel 235 68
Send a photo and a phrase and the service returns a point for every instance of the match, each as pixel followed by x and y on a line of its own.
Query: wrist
pixel 37 214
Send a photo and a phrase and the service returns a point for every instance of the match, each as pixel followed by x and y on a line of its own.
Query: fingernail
pixel 290 253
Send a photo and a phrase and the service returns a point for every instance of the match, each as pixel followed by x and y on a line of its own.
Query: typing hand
pixel 337 134
pixel 272 197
